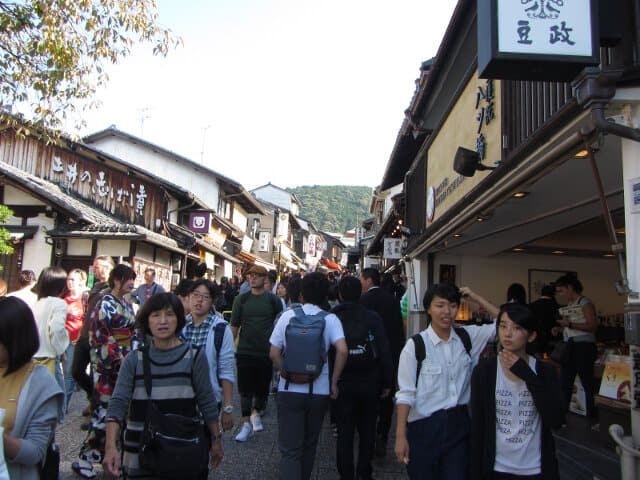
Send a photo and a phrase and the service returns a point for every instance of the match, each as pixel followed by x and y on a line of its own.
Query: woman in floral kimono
pixel 111 338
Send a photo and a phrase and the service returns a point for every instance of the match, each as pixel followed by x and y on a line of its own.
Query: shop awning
pixel 218 252
pixel 20 232
pixel 268 266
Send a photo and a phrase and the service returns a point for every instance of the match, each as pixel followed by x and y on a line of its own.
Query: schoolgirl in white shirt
pixel 432 436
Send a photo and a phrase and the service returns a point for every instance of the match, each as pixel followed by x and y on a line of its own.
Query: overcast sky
pixel 289 91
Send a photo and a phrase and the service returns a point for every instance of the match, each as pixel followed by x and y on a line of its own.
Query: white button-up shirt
pixel 445 376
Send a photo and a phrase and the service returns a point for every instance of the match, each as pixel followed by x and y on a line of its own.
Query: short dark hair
pixel 373 274
pixel 51 282
pixel 122 273
pixel 314 288
pixel 150 269
pixel 156 302
pixel 517 293
pixel 272 275
pixel 349 289
pixel 294 288
pixel 569 279
pixel 18 332
pixel 200 270
pixel 520 315
pixel 184 287
pixel 443 290
pixel 548 291
pixel 26 277
pixel 214 290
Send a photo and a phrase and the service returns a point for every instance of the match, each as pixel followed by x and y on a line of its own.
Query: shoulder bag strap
pixel 421 353
pixel 146 369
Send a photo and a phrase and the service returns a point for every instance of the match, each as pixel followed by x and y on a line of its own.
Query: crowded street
pixel 303 241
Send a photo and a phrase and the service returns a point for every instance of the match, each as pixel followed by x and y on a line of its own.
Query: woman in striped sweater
pixel 180 385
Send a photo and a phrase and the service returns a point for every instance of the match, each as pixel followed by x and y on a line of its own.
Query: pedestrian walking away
pixel 387 306
pixel 432 433
pixel 252 318
pixel 303 398
pixel 367 376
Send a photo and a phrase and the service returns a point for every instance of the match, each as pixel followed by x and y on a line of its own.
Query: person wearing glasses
pixel 206 329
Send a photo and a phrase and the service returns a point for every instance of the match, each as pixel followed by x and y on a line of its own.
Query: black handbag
pixel 172 446
pixel 50 468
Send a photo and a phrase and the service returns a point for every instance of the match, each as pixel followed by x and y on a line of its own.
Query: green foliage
pixel 53 53
pixel 5 248
pixel 335 208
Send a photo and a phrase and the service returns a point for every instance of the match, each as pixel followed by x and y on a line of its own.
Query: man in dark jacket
pixel 102 267
pixel 362 382
pixel 388 307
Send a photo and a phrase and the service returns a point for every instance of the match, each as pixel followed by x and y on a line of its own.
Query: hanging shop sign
pixel 537 39
pixel 392 248
pixel 199 222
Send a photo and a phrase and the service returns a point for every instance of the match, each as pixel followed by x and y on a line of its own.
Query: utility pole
pixel 204 135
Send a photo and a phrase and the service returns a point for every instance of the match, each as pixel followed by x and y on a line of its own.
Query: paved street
pixel 256 459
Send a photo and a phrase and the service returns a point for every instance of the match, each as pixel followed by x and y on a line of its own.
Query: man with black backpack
pixel 253 315
pixel 299 345
pixel 367 376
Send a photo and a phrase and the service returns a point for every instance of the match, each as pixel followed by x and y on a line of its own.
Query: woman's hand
pixel 507 359
pixel 227 421
pixel 111 461
pixel 402 450
pixel 564 322
pixel 216 453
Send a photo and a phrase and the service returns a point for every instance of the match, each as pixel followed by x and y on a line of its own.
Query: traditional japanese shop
pixel 71 203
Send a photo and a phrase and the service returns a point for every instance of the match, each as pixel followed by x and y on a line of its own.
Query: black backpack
pixel 421 352
pixel 362 352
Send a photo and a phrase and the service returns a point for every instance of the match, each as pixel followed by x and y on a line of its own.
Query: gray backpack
pixel 305 351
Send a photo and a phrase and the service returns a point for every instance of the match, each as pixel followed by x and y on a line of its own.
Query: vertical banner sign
pixel 263 242
pixel 312 246
pixel 536 39
pixel 199 222
pixel 283 226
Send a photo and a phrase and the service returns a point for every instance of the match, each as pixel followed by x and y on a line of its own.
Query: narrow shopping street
pixel 255 460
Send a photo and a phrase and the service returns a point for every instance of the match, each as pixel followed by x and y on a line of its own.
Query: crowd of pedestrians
pixel 159 370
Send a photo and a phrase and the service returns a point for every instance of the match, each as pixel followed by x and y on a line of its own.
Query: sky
pixel 288 91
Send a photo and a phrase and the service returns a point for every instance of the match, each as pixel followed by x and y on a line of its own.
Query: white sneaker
pixel 245 433
pixel 256 421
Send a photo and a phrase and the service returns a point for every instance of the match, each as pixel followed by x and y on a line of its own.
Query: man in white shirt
pixel 301 407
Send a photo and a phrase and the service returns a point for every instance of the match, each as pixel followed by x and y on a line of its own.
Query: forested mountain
pixel 334 208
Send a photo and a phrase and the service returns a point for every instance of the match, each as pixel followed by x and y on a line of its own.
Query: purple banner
pixel 199 222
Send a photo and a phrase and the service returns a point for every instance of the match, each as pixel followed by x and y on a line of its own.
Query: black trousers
pixel 580 359
pixel 81 359
pixel 385 405
pixel 355 410
pixel 253 376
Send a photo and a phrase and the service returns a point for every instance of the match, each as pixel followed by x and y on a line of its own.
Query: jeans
pixel 580 359
pixel 439 446
pixel 69 382
pixel 300 417
pixel 355 409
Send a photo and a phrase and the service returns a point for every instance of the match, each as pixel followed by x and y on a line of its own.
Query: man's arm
pixel 275 354
pixel 341 359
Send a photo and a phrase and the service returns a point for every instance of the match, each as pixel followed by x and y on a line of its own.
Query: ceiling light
pixel 608 255
pixel 621 231
pixel 518 249
pixel 520 194
pixel 457 235
pixel 581 154
pixel 558 252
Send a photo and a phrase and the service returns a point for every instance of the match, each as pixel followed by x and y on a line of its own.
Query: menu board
pixel 616 381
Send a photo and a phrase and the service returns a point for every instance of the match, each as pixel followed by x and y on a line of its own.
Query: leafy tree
pixel 5 248
pixel 53 53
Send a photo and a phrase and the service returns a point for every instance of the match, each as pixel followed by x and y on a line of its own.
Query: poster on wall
pixel 163 273
pixel 539 278
pixel 578 403
pixel 616 381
